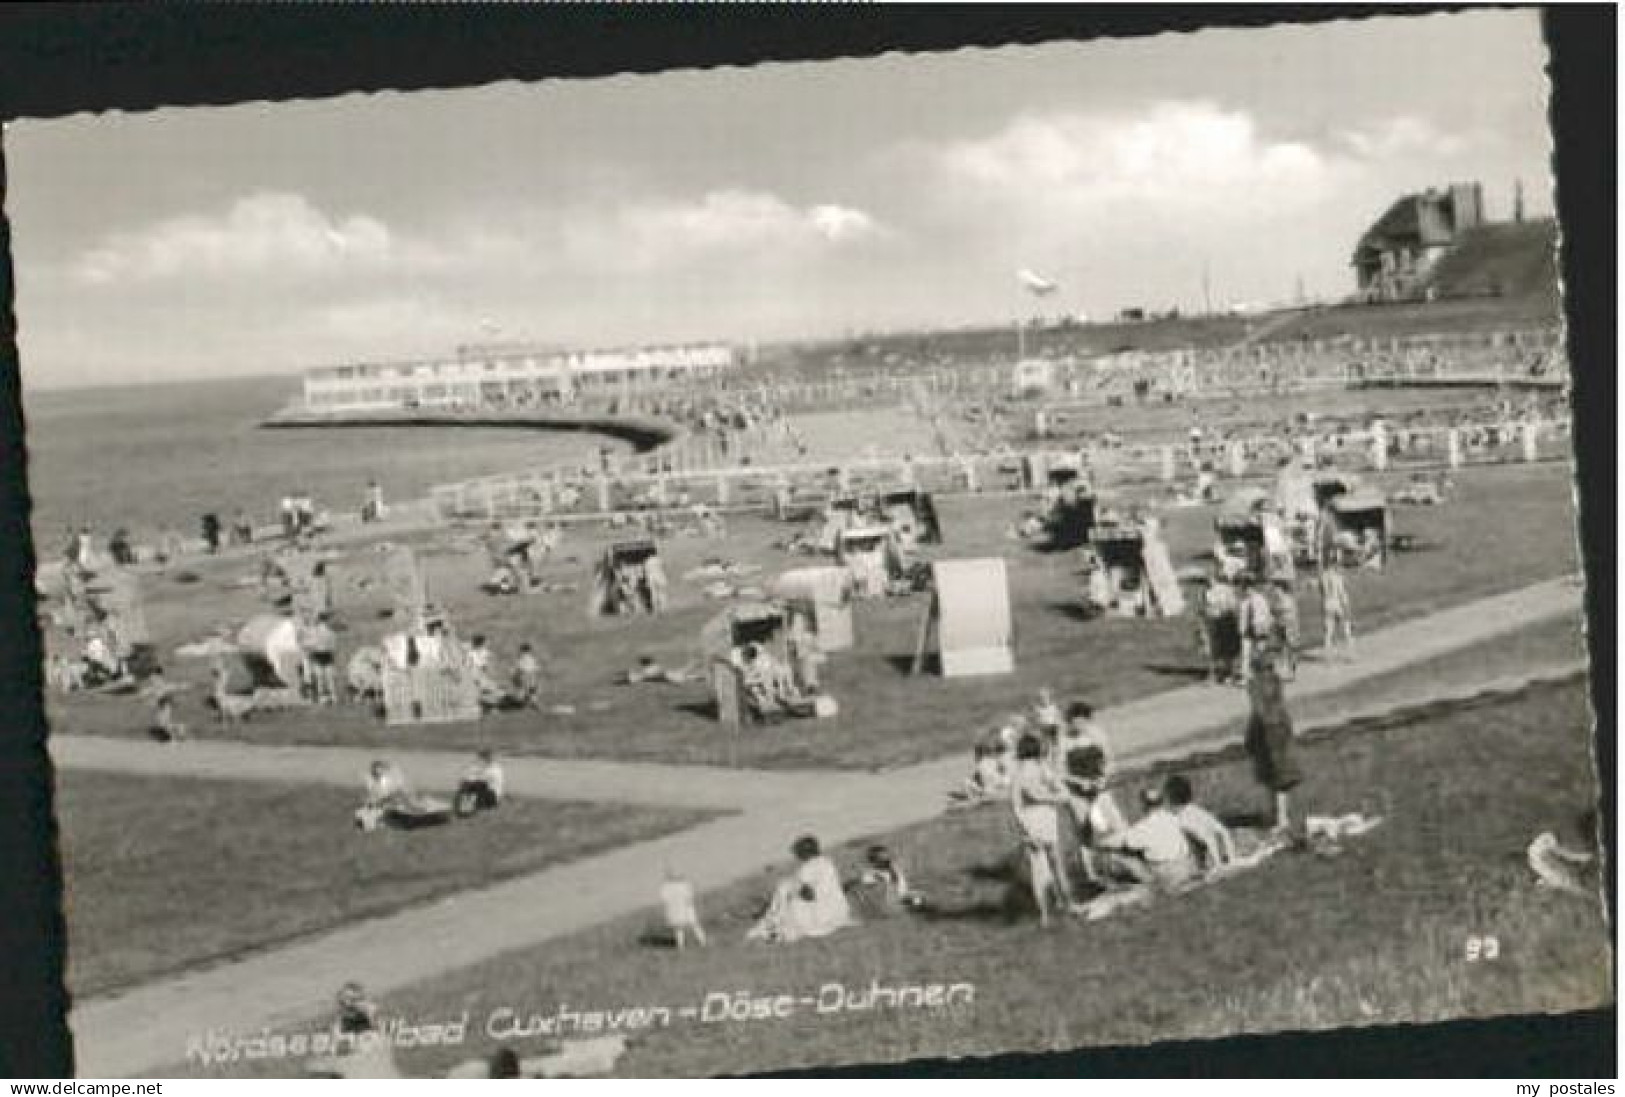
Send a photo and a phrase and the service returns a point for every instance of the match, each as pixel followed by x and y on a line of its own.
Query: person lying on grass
pixel 649 670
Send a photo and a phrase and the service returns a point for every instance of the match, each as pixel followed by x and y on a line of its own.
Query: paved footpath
pixel 147 1028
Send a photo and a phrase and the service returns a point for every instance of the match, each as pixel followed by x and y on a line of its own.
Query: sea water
pixel 150 455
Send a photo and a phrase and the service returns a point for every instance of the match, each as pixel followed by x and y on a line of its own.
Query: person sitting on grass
pixel 769 691
pixel 481 788
pixel 681 912
pixel 165 727
pixel 1084 754
pixel 103 666
pixel 990 772
pixel 390 800
pixel 65 674
pixel 492 695
pixel 364 1051
pixel 1152 850
pixel 527 678
pixel 1215 847
pixel 1047 714
pixel 387 790
pixel 882 888
pixel 810 903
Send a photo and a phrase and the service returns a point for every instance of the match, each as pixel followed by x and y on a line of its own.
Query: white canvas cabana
pixel 968 620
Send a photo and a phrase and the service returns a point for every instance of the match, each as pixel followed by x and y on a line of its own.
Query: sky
pixel 782 201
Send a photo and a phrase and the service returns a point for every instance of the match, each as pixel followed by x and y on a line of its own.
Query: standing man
pixel 211 533
pixel 1283 601
pixel 1257 626
pixel 1221 631
pixel 1269 741
pixel 372 510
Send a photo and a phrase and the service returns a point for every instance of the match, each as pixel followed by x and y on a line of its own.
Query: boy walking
pixel 682 915
pixel 1335 611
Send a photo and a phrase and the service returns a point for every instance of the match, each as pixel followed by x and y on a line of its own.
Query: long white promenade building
pixel 510 377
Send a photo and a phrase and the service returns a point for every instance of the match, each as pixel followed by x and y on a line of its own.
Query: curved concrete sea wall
pixel 643 433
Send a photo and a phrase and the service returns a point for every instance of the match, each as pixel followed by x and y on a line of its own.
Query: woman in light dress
pixel 809 903
pixel 1036 795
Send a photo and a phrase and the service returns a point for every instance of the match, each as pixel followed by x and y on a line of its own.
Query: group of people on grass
pixel 517 550
pixel 813 900
pixel 1242 615
pixel 1055 771
pixel 521 687
pixel 391 801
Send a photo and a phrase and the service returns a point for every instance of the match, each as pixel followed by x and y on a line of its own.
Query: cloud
pixel 1402 136
pixel 842 223
pixel 257 234
pixel 728 222
pixel 1175 154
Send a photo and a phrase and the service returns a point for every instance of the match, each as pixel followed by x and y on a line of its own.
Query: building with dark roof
pixel 1396 254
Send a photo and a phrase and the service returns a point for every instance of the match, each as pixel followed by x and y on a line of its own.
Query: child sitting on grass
pixel 882 887
pixel 481 787
pixel 527 678
pixel 165 728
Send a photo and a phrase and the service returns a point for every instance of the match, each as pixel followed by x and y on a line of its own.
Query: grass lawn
pixel 1508 527
pixel 164 874
pixel 1545 646
pixel 1378 935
